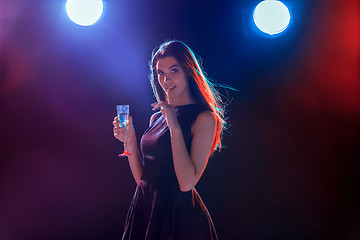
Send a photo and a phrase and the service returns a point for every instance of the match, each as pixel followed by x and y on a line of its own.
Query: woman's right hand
pixel 119 131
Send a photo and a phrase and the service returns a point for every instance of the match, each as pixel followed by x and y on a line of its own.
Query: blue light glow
pixel 271 17
pixel 84 12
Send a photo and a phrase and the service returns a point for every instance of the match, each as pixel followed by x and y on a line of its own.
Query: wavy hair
pixel 201 88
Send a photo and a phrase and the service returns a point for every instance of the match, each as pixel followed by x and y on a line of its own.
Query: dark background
pixel 290 168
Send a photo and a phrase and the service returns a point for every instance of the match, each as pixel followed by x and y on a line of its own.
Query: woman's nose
pixel 167 79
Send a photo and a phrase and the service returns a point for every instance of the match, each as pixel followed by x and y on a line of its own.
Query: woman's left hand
pixel 168 110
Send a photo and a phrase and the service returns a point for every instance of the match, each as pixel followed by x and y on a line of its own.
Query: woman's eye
pixel 174 70
pixel 160 73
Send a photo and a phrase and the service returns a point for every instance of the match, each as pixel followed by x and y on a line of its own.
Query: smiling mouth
pixel 172 88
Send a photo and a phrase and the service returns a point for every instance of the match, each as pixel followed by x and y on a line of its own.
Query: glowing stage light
pixel 84 12
pixel 271 17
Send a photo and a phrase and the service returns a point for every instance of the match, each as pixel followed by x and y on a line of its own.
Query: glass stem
pixel 125 139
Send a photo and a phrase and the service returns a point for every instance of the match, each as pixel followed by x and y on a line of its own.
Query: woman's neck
pixel 182 101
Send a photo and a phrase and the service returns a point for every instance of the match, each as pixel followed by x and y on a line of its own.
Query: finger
pixel 117 124
pixel 157 105
pixel 118 131
pixel 169 97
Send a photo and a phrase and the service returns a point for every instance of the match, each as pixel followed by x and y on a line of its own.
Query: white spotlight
pixel 84 12
pixel 271 17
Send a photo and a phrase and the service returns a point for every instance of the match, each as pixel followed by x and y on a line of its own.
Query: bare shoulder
pixel 153 117
pixel 204 121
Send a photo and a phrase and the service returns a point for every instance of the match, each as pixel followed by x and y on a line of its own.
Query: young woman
pixel 174 149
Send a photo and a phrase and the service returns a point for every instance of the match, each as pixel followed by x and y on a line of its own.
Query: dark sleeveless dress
pixel 159 210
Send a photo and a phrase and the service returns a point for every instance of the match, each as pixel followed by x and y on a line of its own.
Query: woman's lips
pixel 170 88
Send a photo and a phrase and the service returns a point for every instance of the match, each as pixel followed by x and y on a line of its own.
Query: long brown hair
pixel 201 88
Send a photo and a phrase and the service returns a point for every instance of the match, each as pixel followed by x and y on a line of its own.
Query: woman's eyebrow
pixel 175 65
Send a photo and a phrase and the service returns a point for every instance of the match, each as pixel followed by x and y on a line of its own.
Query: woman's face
pixel 173 78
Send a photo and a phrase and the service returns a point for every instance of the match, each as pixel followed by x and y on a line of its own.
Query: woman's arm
pixel 132 147
pixel 189 167
pixel 135 160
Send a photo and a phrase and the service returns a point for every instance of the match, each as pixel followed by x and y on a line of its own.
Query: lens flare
pixel 84 12
pixel 271 17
